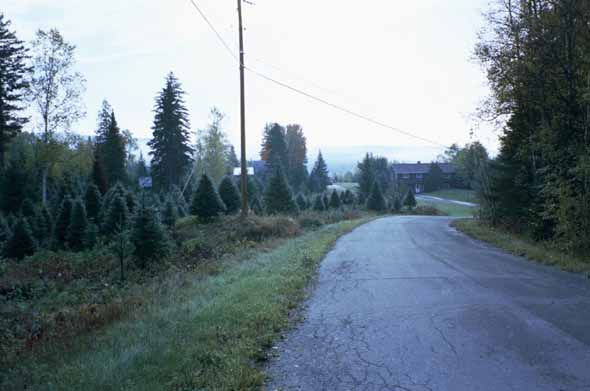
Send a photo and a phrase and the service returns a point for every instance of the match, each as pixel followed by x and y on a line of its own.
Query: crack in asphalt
pixel 438 314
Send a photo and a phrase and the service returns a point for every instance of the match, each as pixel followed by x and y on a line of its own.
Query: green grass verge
pixel 516 245
pixel 449 209
pixel 455 194
pixel 196 334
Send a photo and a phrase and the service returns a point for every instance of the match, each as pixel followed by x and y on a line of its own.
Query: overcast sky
pixel 405 63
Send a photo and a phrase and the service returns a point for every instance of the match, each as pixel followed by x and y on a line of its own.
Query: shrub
pixel 326 201
pixel 148 236
pixel 376 201
pixel 318 203
pixel 396 204
pixel 278 197
pixel 206 202
pixel 301 201
pixel 78 226
pixel 21 242
pixel 335 200
pixel 230 195
pixel 117 216
pixel 410 200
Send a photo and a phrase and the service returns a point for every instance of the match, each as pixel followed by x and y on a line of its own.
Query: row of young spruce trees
pixel 60 191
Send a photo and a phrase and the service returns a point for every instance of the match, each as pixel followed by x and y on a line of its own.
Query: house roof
pixel 421 168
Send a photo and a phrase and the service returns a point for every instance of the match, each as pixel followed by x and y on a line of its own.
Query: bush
pixel 21 242
pixel 376 201
pixel 78 226
pixel 148 236
pixel 396 204
pixel 318 203
pixel 335 200
pixel 410 200
pixel 230 195
pixel 301 201
pixel 278 197
pixel 206 202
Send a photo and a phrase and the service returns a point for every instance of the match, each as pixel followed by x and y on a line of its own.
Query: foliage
pixel 301 201
pixel 213 153
pixel 376 201
pixel 318 203
pixel 274 148
pixel 148 236
pixel 207 204
pixel 117 215
pixel 13 85
pixel 396 204
pixel 230 195
pixel 434 178
pixel 278 197
pixel 319 178
pixel 63 222
pixel 92 200
pixel 21 242
pixel 410 200
pixel 171 152
pixel 170 213
pixel 335 202
pixel 110 147
pixel 296 159
pixel 76 234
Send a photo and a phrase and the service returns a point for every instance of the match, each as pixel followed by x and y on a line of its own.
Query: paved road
pixel 444 200
pixel 408 303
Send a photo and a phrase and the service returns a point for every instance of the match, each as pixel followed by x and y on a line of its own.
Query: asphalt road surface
pixel 408 303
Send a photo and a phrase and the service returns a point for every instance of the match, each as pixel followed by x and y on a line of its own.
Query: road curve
pixel 409 303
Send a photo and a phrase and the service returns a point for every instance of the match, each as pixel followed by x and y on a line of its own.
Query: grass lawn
pixel 523 247
pixel 455 194
pixel 449 209
pixel 195 333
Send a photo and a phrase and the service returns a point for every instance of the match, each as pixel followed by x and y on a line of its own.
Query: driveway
pixel 408 303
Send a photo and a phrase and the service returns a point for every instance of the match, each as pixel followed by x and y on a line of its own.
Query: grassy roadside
pixel 196 334
pixel 449 209
pixel 455 194
pixel 538 252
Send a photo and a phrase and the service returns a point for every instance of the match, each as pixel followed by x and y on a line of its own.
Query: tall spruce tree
pixel 319 178
pixel 76 235
pixel 296 157
pixel 230 195
pixel 112 153
pixel 21 242
pixel 171 151
pixel 13 85
pixel 93 201
pixel 274 147
pixel 366 174
pixel 278 197
pixel 207 205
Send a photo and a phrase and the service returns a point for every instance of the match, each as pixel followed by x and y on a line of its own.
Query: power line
pixel 308 95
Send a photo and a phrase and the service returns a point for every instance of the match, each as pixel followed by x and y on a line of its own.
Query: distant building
pixel 257 168
pixel 414 174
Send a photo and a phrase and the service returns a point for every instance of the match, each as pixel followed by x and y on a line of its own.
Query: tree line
pixel 536 56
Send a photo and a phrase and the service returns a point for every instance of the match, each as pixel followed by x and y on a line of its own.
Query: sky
pixel 408 64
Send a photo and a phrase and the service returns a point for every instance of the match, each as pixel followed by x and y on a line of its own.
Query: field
pixel 455 194
pixel 449 209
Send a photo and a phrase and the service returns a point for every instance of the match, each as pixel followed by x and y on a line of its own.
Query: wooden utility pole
pixel 244 175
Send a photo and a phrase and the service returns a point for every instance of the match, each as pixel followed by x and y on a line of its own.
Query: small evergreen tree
pixel 98 175
pixel 117 216
pixel 348 197
pixel 410 200
pixel 278 197
pixel 301 202
pixel 112 153
pixel 43 225
pixel 326 200
pixel 28 209
pixel 78 226
pixel 396 204
pixel 131 202
pixel 21 242
pixel 91 236
pixel 434 178
pixel 206 202
pixel 319 178
pixel 148 236
pixel 63 222
pixel 318 203
pixel 256 206
pixel 376 201
pixel 93 201
pixel 229 195
pixel 170 214
pixel 335 200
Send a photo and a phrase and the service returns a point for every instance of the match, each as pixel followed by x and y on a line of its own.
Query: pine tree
pixel 170 213
pixel 171 151
pixel 206 202
pixel 347 197
pixel 131 202
pixel 13 85
pixel 434 178
pixel 43 225
pixel 301 202
pixel 98 176
pixel 63 221
pixel 141 170
pixel 318 203
pixel 396 204
pixel 28 209
pixel 21 242
pixel 230 195
pixel 78 225
pixel 112 153
pixel 326 200
pixel 367 177
pixel 91 236
pixel 117 215
pixel 319 178
pixel 335 200
pixel 376 201
pixel 410 200
pixel 274 147
pixel 148 236
pixel 14 180
pixel 296 157
pixel 278 197
pixel 93 202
